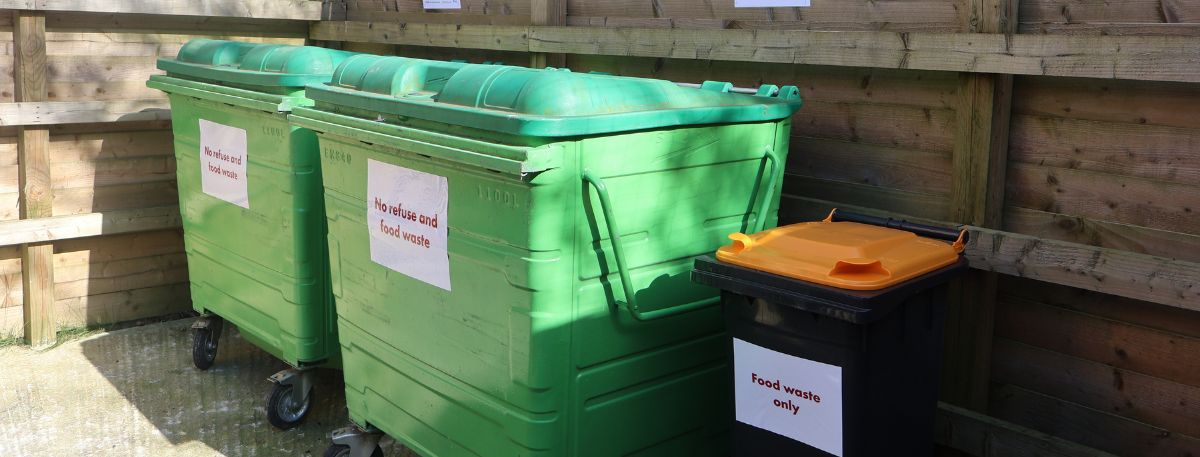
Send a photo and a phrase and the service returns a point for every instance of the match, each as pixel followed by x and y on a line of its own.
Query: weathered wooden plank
pixel 81 200
pixel 101 173
pixel 1131 102
pixel 874 165
pixel 85 225
pixel 1155 401
pixel 1099 429
pixel 1157 58
pixel 978 434
pixel 878 14
pixel 1146 151
pixel 1114 235
pixel 78 112
pixel 1110 28
pixel 302 10
pixel 1135 312
pixel 1106 197
pixel 1143 277
pixel 927 206
pixel 1076 11
pixel 1152 352
pixel 437 18
pixel 905 127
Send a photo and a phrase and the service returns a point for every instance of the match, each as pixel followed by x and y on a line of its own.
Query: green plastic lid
pixel 542 103
pixel 271 65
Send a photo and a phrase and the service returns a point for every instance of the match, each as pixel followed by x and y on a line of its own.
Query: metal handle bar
pixel 614 235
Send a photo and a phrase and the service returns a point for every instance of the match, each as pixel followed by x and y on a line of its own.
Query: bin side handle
pixel 618 247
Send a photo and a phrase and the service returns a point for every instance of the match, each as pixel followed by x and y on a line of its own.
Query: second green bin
pixel 511 250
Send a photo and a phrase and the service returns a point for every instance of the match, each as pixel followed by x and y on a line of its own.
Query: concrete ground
pixel 134 392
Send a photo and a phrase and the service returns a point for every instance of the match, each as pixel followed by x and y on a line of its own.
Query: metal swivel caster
pixel 290 399
pixel 206 334
pixel 355 442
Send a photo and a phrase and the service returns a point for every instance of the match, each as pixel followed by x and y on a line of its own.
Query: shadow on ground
pixel 134 392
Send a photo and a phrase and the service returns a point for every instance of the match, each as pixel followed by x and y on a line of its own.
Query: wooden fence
pixel 1064 133
pixel 88 208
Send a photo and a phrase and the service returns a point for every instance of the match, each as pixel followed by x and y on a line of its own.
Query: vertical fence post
pixel 36 199
pixel 548 12
pixel 977 198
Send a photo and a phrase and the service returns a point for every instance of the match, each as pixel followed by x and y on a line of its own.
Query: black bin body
pixel 887 342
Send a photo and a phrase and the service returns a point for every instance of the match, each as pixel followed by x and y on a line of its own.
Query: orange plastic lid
pixel 846 255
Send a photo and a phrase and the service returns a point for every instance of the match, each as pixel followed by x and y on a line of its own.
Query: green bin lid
pixel 539 103
pixel 268 65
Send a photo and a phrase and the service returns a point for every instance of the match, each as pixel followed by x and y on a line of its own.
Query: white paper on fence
pixel 770 3
pixel 407 222
pixel 442 4
pixel 790 396
pixel 223 163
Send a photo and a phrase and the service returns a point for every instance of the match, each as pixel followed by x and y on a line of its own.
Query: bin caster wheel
pixel 284 410
pixel 204 348
pixel 341 450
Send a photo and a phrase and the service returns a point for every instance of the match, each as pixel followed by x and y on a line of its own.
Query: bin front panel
pixel 526 354
pixel 262 267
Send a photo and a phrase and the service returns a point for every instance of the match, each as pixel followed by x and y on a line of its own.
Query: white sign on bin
pixel 406 218
pixel 442 4
pixel 223 163
pixel 787 395
pixel 770 3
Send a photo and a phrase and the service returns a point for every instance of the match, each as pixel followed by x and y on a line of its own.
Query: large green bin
pixel 250 198
pixel 484 308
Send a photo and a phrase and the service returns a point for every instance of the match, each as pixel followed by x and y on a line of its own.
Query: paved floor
pixel 134 392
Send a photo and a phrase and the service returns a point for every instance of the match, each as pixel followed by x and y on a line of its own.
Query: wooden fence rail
pixel 1150 58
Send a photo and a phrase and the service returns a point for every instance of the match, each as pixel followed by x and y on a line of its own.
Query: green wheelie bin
pixel 250 199
pixel 511 249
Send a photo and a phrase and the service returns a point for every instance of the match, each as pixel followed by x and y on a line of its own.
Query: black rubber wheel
pixel 282 411
pixel 338 450
pixel 204 348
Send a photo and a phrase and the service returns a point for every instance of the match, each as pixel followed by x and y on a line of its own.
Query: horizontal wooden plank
pixel 85 225
pixel 109 308
pixel 1111 28
pixel 1145 350
pixel 80 200
pixel 44 113
pixel 898 126
pixel 437 18
pixel 489 7
pixel 119 275
pixel 1076 11
pixel 1106 197
pixel 1160 58
pixel 923 89
pixel 109 172
pixel 1167 104
pixel 981 435
pixel 927 206
pixel 1155 401
pixel 882 166
pixel 1139 276
pixel 303 10
pixel 1092 427
pixel 1114 235
pixel 1146 151
pixel 855 13
pixel 1136 312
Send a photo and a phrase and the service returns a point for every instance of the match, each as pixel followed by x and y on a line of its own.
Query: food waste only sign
pixel 223 163
pixel 407 220
pixel 790 396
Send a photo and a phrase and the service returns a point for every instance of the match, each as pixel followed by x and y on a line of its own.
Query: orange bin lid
pixel 845 255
